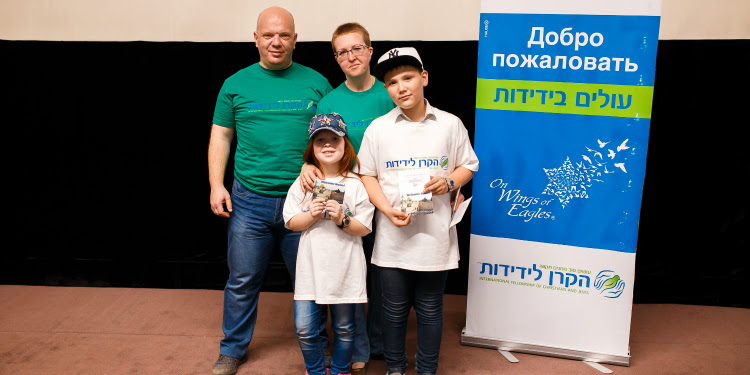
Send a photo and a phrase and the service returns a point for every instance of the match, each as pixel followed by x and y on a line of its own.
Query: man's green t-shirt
pixel 358 109
pixel 270 111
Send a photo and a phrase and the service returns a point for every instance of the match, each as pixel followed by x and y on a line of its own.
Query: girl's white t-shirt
pixel 437 145
pixel 331 266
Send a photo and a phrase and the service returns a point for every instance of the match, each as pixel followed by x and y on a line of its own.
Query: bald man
pixel 268 106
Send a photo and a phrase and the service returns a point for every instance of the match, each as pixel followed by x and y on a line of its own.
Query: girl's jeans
pixel 307 324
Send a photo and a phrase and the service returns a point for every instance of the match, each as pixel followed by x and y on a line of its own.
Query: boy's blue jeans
pixel 307 324
pixel 256 226
pixel 402 290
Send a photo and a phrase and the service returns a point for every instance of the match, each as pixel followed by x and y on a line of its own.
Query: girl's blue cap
pixel 328 121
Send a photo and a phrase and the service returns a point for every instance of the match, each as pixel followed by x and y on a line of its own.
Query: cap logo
pixel 392 53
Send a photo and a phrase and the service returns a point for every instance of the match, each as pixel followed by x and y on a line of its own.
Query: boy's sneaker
pixel 393 373
pixel 227 365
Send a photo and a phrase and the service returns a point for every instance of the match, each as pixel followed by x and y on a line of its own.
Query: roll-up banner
pixel 564 92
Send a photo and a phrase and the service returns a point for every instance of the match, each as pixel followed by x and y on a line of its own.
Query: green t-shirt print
pixel 270 112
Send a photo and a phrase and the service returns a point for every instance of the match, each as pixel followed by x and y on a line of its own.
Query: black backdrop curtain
pixel 105 150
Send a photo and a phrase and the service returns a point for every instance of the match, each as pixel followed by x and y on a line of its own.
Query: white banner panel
pixel 564 93
pixel 533 292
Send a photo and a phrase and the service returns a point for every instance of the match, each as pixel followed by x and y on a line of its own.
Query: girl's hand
pixel 317 206
pixel 436 185
pixel 398 218
pixel 334 211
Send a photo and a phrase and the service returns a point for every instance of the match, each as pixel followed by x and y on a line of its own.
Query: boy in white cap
pixel 411 142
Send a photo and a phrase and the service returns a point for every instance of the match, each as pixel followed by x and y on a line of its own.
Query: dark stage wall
pixel 105 150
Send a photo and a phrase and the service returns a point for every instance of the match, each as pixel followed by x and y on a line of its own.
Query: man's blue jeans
pixel 307 324
pixel 402 290
pixel 256 227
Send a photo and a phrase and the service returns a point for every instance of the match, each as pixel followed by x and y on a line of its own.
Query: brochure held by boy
pixel 413 199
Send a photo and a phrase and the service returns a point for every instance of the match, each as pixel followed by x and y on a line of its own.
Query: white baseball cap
pixel 397 57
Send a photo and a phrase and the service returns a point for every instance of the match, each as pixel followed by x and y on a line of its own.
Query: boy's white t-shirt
pixel 331 266
pixel 437 144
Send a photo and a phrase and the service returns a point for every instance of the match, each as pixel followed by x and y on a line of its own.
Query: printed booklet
pixel 328 190
pixel 413 200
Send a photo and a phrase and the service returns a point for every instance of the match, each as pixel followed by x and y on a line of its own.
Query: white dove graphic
pixel 601 144
pixel 595 152
pixel 623 146
pixel 621 166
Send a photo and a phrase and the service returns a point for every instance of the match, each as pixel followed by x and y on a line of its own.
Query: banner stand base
pixel 510 357
pixel 549 351
pixel 599 367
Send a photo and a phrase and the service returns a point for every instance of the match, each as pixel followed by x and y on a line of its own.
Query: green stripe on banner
pixel 565 97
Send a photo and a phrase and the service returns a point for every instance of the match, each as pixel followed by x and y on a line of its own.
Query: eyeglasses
pixel 357 50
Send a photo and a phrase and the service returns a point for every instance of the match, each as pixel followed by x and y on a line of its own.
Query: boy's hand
pixel 398 218
pixel 317 206
pixel 307 176
pixel 436 185
pixel 334 211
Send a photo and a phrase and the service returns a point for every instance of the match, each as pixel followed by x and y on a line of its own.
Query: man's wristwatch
pixel 450 183
pixel 345 222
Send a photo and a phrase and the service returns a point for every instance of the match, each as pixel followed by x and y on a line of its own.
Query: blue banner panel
pixel 562 124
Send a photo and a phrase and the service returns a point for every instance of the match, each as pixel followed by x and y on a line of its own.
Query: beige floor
pixel 63 330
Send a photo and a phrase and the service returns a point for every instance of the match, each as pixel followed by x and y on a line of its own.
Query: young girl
pixel 331 267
